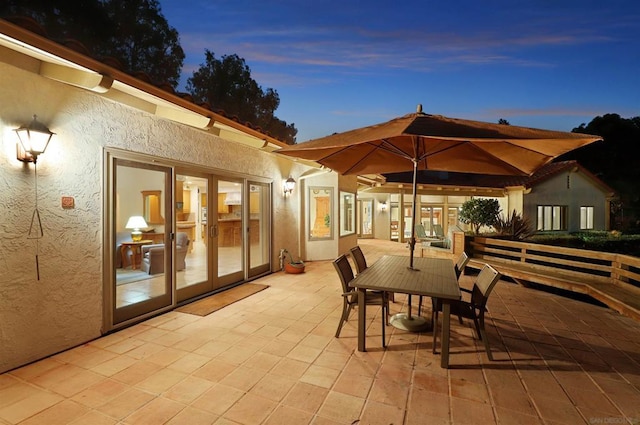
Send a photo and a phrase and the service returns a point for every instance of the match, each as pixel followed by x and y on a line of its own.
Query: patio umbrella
pixel 422 141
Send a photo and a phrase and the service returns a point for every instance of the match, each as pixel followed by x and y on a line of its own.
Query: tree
pixel 479 212
pixel 143 40
pixel 226 84
pixel 503 121
pixel 132 31
pixel 614 161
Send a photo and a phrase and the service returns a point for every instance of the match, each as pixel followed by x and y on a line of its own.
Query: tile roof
pixel 491 181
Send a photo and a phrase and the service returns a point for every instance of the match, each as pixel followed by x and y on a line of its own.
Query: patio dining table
pixel 431 277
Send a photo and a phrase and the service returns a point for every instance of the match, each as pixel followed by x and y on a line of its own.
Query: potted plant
pixel 291 266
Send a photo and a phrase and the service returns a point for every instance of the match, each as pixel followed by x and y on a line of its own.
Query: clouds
pixel 355 59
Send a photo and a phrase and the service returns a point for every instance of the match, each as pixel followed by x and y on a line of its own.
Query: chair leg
pixel 346 308
pixel 485 338
pixel 434 320
pixel 419 305
pixel 477 325
pixel 384 322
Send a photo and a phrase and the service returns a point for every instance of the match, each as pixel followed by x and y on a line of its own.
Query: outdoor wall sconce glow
pixel 288 186
pixel 136 222
pixel 33 139
pixel 383 206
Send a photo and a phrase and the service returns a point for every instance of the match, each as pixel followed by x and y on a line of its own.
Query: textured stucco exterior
pixel 64 307
pixel 572 189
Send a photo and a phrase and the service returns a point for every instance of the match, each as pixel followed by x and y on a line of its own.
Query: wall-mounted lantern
pixel 288 186
pixel 33 139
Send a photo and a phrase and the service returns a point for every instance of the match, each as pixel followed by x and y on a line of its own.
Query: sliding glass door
pixel 177 234
pixel 141 219
pixel 259 228
pixel 193 260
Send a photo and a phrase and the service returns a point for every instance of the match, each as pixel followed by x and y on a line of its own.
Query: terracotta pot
pixel 293 268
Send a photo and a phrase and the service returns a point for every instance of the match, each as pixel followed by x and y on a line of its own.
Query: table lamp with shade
pixel 136 222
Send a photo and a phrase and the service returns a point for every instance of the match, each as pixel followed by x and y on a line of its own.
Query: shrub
pixel 479 212
pixel 514 227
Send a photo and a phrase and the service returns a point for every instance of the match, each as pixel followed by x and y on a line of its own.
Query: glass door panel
pixel 394 215
pixel 141 264
pixel 259 228
pixel 192 260
pixel 230 222
pixel 408 220
pixel 365 222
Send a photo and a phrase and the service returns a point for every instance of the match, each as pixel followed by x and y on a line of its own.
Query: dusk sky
pixel 339 65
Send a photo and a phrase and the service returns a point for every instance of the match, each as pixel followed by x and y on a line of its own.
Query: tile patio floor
pixel 272 359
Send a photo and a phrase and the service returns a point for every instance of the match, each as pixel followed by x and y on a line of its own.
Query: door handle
pixel 214 231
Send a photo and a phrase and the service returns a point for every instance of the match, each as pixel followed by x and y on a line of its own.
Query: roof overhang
pixel 32 52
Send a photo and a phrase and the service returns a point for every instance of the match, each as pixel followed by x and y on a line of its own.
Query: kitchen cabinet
pixel 254 202
pixel 222 208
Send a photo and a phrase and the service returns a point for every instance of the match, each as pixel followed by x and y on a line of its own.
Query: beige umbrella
pixel 422 141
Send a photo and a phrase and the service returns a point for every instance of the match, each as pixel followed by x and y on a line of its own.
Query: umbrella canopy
pixel 421 141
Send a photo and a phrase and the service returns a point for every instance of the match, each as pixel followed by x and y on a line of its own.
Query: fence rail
pixel 613 279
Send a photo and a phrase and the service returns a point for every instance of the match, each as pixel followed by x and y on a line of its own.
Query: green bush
pixel 596 241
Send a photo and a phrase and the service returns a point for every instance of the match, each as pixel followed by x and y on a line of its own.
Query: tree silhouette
pixel 132 31
pixel 226 84
pixel 614 160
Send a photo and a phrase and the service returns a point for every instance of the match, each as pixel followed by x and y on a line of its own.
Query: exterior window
pixel 586 218
pixel 552 217
pixel 320 213
pixel 347 213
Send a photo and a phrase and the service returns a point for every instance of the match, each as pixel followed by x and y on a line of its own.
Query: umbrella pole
pixel 412 242
pixel 404 320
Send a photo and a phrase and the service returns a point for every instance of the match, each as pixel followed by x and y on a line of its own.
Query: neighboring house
pixel 209 189
pixel 566 197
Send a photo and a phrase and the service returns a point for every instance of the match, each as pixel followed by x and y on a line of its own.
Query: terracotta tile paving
pixel 272 358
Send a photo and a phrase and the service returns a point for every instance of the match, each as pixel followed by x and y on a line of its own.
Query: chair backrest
pixel 484 284
pixel 420 232
pixel 463 259
pixel 182 239
pixel 437 229
pixel 343 267
pixel 358 258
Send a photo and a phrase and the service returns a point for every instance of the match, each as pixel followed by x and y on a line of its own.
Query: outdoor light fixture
pixel 136 222
pixel 288 186
pixel 383 206
pixel 33 139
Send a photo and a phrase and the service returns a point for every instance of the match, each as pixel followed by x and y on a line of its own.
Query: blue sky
pixel 339 65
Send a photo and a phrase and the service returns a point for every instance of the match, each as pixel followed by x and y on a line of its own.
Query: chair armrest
pixel 147 248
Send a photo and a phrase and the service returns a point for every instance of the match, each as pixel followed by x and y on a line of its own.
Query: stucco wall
pixel 579 192
pixel 64 307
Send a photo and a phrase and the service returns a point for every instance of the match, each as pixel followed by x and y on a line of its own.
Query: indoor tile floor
pixel 272 359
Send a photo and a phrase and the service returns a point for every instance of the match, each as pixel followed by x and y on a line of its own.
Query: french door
pixel 141 226
pixel 229 219
pixel 365 218
pixel 200 232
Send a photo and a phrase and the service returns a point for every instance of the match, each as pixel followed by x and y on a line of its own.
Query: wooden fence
pixel 613 279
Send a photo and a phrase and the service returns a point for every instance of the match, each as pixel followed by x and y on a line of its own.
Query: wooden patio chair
pixel 475 308
pixel 361 265
pixel 350 295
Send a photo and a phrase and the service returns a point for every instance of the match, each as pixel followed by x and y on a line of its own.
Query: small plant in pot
pixel 291 266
